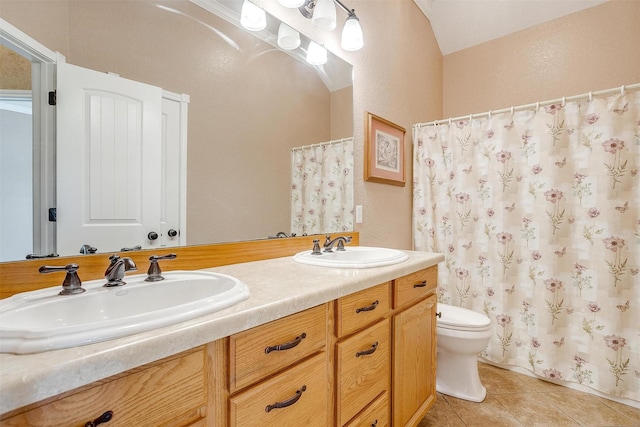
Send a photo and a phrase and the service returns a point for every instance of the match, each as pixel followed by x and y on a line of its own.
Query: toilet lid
pixel 461 317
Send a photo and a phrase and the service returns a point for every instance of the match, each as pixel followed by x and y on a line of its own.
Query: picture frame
pixel 384 151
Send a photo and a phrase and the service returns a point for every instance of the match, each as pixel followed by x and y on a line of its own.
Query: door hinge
pixel 53 97
pixel 53 215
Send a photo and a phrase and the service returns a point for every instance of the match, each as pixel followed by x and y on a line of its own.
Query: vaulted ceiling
pixel 459 24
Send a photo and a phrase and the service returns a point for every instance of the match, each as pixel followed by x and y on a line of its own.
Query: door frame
pixel 43 62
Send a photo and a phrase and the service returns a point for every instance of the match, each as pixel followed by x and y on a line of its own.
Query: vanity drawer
pixel 254 353
pixel 363 368
pixel 302 390
pixel 414 286
pixel 168 393
pixel 376 414
pixel 358 310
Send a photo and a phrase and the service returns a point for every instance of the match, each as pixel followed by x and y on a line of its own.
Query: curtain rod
pixel 320 144
pixel 536 105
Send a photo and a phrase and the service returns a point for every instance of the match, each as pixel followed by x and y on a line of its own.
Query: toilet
pixel 461 335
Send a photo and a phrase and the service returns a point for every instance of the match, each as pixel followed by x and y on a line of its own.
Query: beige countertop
pixel 278 287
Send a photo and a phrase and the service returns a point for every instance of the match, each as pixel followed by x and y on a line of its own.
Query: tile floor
pixel 515 399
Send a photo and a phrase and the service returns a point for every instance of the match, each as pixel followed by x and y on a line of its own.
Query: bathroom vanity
pixel 312 346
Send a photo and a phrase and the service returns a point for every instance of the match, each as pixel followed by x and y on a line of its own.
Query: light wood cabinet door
pixel 415 286
pixel 414 362
pixel 267 349
pixel 374 415
pixel 170 393
pixel 363 367
pixel 296 397
pixel 358 310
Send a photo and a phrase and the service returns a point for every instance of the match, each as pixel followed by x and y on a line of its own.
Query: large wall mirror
pixel 250 103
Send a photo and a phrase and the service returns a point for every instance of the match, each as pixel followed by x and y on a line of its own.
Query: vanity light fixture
pixel 323 17
pixel 288 38
pixel 252 17
pixel 352 37
pixel 316 54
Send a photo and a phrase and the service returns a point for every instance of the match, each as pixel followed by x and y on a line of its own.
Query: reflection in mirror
pixel 250 103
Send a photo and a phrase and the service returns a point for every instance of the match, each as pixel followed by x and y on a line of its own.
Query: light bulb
pixel 352 37
pixel 252 17
pixel 324 15
pixel 288 38
pixel 316 54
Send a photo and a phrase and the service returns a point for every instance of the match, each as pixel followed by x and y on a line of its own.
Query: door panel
pixel 108 160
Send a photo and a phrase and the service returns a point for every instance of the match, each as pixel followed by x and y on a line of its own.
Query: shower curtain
pixel 322 187
pixel 538 215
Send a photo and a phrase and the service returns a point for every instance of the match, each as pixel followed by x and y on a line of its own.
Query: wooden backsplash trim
pixel 22 276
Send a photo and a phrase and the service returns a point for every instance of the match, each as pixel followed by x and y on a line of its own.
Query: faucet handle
pixel 154 274
pixel 88 249
pixel 316 247
pixel 72 283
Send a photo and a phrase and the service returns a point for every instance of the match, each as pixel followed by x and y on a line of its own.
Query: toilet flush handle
pixel 439 314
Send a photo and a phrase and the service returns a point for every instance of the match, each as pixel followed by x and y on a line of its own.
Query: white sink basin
pixel 32 322
pixel 353 257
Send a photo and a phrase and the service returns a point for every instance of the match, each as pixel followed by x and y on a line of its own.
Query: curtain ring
pixel 489 114
pixel 563 101
pixel 450 121
pixel 512 110
pixel 622 90
pixel 470 117
pixel 590 96
pixel 537 105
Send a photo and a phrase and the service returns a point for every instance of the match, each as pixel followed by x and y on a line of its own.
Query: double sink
pixel 42 320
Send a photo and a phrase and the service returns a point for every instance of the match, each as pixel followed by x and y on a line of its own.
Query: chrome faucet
pixel 72 283
pixel 115 272
pixel 281 234
pixel 341 240
pixel 154 274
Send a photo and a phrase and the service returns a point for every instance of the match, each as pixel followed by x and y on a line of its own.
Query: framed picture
pixel 384 151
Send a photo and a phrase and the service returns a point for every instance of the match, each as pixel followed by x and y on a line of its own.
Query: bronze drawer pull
pixel 104 418
pixel 287 345
pixel 373 348
pixel 421 284
pixel 439 314
pixel 369 307
pixel 374 423
pixel 288 402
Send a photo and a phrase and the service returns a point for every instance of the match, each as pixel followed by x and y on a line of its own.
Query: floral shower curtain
pixel 538 214
pixel 322 187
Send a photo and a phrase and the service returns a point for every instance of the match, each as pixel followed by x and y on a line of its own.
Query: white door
pixel 108 161
pixel 174 169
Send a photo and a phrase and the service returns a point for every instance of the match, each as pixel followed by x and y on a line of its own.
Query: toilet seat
pixel 459 318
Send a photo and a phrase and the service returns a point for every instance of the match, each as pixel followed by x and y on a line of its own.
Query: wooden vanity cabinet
pixel 171 392
pixel 363 357
pixel 414 346
pixel 278 372
pixel 264 350
pixel 296 397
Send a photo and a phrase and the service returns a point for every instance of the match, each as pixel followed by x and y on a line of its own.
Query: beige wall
pixel 595 49
pixel 397 76
pixel 15 70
